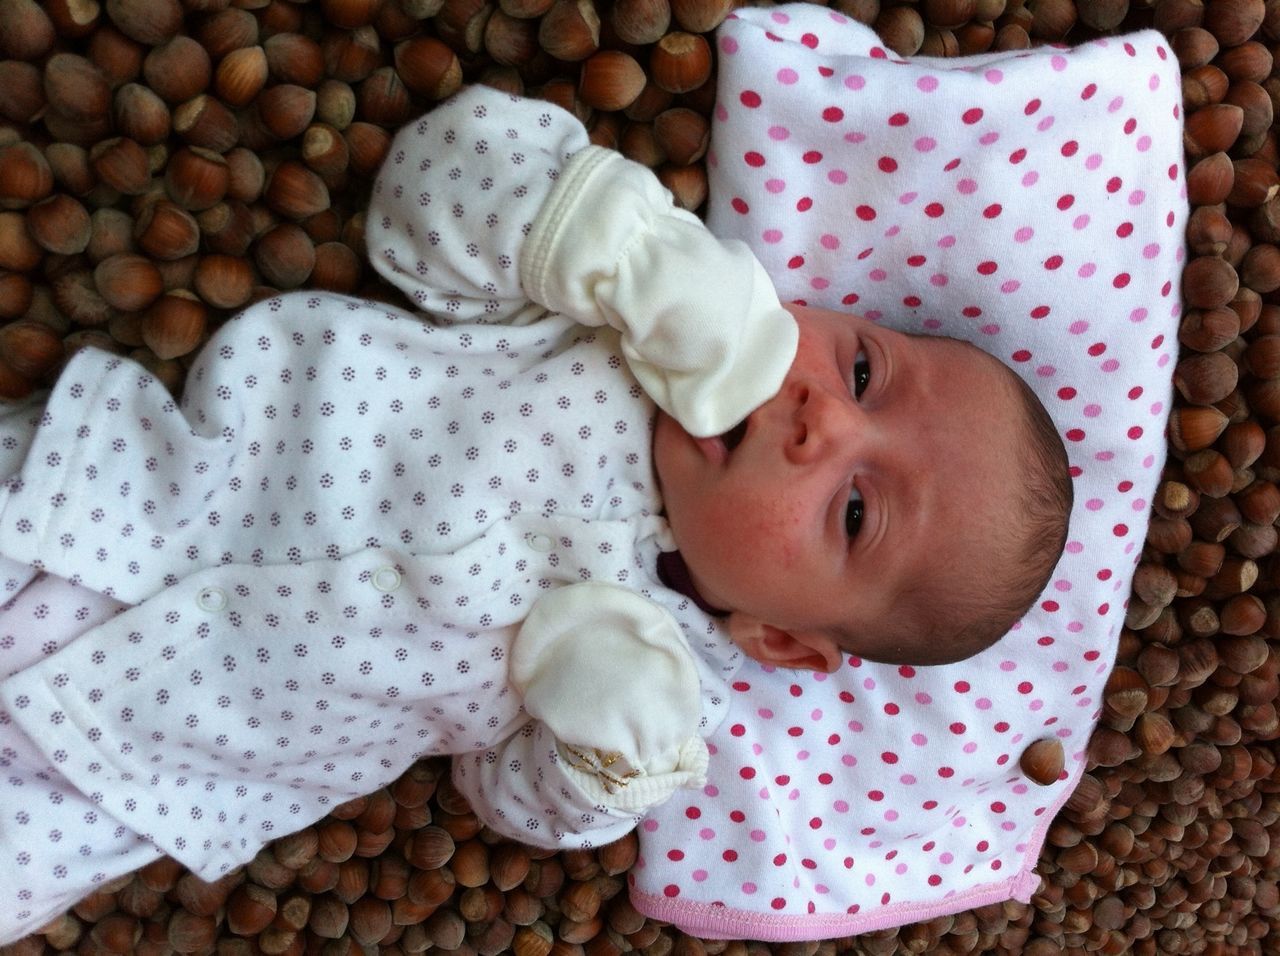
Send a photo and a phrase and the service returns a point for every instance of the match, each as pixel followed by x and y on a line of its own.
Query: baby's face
pixel 871 484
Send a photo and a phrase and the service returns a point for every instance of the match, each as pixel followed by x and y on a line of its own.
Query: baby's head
pixel 902 498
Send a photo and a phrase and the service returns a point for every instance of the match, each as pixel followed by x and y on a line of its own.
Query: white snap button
pixel 386 579
pixel 211 599
pixel 539 542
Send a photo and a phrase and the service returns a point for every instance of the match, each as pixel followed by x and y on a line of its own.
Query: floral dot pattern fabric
pixel 1033 204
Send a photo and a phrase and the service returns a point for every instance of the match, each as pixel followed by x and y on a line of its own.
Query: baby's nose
pixel 821 423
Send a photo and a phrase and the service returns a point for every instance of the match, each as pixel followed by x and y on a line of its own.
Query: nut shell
pixel 1043 761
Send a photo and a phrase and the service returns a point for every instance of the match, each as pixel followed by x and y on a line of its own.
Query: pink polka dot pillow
pixel 1034 204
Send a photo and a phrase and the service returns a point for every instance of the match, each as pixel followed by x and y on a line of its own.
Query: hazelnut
pixel 1043 761
pixel 1193 46
pixel 325 151
pixel 285 256
pixel 227 30
pixel 122 164
pixel 901 28
pixel 164 230
pixel 227 228
pixel 384 99
pixel 295 192
pixel 178 69
pixel 25 176
pixel 26 32
pixel 610 80
pixel 31 349
pixel 640 22
pixel 570 30
pixel 949 14
pixel 680 62
pixel 23 96
pixel 427 67
pixel 701 16
pixel 127 281
pixel 368 145
pixel 286 109
pixel 18 251
pixel 336 101
pixel 294 58
pixel 204 121
pixel 225 282
pixel 350 57
pixel 241 75
pixel 60 224
pixel 76 88
pixel 150 22
pixel 509 40
pixel 141 115
pixel 1209 180
pixel 1232 22
pixel 688 184
pixel 196 178
pixel 683 135
pixel 175 324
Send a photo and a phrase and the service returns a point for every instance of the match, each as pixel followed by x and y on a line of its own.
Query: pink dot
pixel 1110 365
pixel 991 328
pixel 919 739
pixel 1023 234
pixel 778 16
pixel 1092 410
pixel 927 84
pixel 854 82
pixel 925 144
pixel 967 186
pixel 699 875
pixel 748 888
pixel 779 132
pixel 946 242
pixel 1143 144
pixel 1093 162
pixel 993 76
pixel 728 45
pixel 775 185
pixel 1151 250
pixel 938 280
pixel 855 138
pixel 986 139
pixel 650 826
pixel 1080 221
pixel 1136 197
pixel 1115 104
pixel 1086 270
pixel 907 198
pixel 1030 178
pixel 829 241
pixel 722 114
pixel 772 236
pixel 838 177
pixel 1138 315
pixel 982 703
pixel 877 275
pixel 1009 286
pixel 1046 371
pixel 787 76
pixel 1045 124
pixel 1154 82
pixel 819 283
pixel 1059 63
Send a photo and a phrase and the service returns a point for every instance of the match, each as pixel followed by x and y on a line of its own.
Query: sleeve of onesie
pixel 492 201
pixel 609 679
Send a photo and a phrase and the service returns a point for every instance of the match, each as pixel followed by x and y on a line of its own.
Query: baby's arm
pixel 492 201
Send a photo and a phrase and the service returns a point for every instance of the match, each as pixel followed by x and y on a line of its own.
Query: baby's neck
pixel 674 573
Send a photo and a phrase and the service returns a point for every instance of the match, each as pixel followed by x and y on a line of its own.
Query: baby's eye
pixel 853 514
pixel 861 374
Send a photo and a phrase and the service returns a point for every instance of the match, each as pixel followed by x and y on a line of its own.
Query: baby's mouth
pixel 733 437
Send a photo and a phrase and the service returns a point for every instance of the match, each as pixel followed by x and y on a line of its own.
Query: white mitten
pixel 608 671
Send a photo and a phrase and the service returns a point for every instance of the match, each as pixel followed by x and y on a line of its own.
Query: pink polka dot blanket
pixel 1032 203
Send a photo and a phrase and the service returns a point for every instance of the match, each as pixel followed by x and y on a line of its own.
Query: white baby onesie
pixel 334 543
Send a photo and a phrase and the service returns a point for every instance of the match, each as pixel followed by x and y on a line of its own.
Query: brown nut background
pixel 163 162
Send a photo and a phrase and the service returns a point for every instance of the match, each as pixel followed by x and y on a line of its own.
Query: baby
pixel 362 538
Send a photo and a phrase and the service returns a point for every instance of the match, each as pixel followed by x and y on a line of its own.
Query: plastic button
pixel 386 579
pixel 539 542
pixel 211 599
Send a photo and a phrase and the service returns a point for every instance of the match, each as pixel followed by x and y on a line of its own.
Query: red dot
pixel 795 262
pixel 987 268
pixel 1124 487
pixel 1124 230
pixel 737 730
pixel 1135 432
pixel 946 773
pixel 780 859
pixel 865 213
pixel 935 879
pixel 951 165
pixel 1018 155
pixel 1070 147
pixel 833 114
pixel 993 210
pixel 1022 355
pixel 1121 280
pixel 875 795
pixel 1120 530
pixel 916 260
pixel 1066 201
pixel 741 685
pixel 892 709
pixel 972 116
pixel 889 757
pixel 1114 184
pixel 729 856
pixel 1050 606
pixel 737 816
pixel 778 903
pixel 1097 348
pixel 804 205
pixel 795 731
pixel 957 728
pixel 810 40
pixel 911 301
pixel 1025 687
pixel 812 156
pixel 887 164
pixel 1066 393
pixel 1075 434
pixel 1130 125
pixel 899 119
pixel 825 779
pixel 740 205
pixel 850 299
pixel 750 99
pixel 692 813
pixel 1088 91
pixel 971 312
pixel 676 855
pixel 1030 108
pixel 782 779
pixel 1039 312
pixel 906 670
pixel 1053 262
pixel 754 159
pixel 747 773
pixel 671 890
pixel 934 210
pixel 1135 392
pixel 962 687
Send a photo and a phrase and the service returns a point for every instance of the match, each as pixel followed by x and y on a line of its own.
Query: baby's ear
pixel 801 650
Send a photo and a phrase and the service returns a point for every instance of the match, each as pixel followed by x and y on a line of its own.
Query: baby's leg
pixel 56 844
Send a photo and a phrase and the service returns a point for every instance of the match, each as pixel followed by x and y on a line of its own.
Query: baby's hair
pixel 960 622
pixel 1038 537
